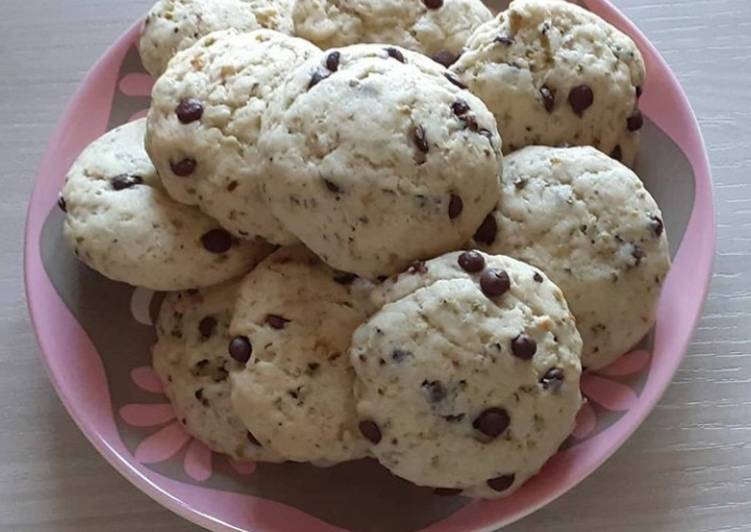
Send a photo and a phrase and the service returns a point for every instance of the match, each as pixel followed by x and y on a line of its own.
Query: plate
pixel 95 336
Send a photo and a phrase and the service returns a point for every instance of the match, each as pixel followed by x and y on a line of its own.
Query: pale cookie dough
pixel 379 158
pixel 120 222
pixel 433 27
pixel 295 393
pixel 173 25
pixel 191 359
pixel 588 221
pixel 205 117
pixel 468 377
pixel 555 74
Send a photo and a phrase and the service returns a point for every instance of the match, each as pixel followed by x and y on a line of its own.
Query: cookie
pixel 173 25
pixel 379 158
pixel 121 223
pixel 468 376
pixel 205 119
pixel 297 315
pixel 191 359
pixel 588 221
pixel 555 74
pixel 437 28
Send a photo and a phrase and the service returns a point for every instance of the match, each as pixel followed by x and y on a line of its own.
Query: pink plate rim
pixel 681 298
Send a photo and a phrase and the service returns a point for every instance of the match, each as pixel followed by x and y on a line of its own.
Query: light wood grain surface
pixel 688 468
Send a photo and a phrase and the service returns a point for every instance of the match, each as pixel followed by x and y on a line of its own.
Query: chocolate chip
pixel 433 4
pixel 189 110
pixel 504 39
pixel 657 225
pixel 581 98
pixel 470 122
pixel 207 326
pixel 552 380
pixel 445 58
pixel 460 107
pixel 240 348
pixel 471 261
pixel 370 430
pixel 123 181
pixel 487 231
pixel 344 278
pixel 331 186
pixel 454 418
pixel 435 390
pixel 635 121
pixel 447 492
pixel 548 98
pixel 252 439
pixel 313 366
pixel 332 61
pixel 638 254
pixel 199 394
pixel 217 241
pixel 523 347
pixel 232 185
pixel 183 168
pixel 275 321
pixel 638 91
pixel 501 483
pixel 396 54
pixel 420 138
pixel 61 203
pixel 617 154
pixel 318 76
pixel 398 355
pixel 418 266
pixel 492 422
pixel 494 282
pixel 455 81
pixel 456 206
pixel 537 277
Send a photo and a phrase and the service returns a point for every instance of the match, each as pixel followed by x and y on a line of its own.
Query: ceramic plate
pixel 95 336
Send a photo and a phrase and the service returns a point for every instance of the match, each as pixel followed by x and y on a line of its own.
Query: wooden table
pixel 688 468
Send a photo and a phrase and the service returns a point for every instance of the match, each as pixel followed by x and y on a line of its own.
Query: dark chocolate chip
pixel 447 492
pixel 460 107
pixel 435 391
pixel 433 4
pixel 61 203
pixel 456 206
pixel 617 154
pixel 537 277
pixel 638 254
pixel 332 61
pixel 183 168
pixel 548 98
pixel 501 483
pixel 312 366
pixel 398 355
pixel 123 181
pixel 639 91
pixel 232 185
pixel 344 278
pixel 635 121
pixel 471 261
pixel 487 231
pixel 217 241
pixel 418 266
pixel 552 380
pixel 275 321
pixel 504 39
pixel 240 348
pixel 581 98
pixel 331 186
pixel 189 110
pixel 252 439
pixel 207 326
pixel 657 225
pixel 492 422
pixel 370 430
pixel 395 54
pixel 470 122
pixel 420 138
pixel 523 347
pixel 445 58
pixel 318 75
pixel 455 81
pixel 494 282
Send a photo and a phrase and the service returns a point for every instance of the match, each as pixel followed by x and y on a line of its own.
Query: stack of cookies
pixel 388 230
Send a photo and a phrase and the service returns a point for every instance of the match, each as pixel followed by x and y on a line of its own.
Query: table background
pixel 688 468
